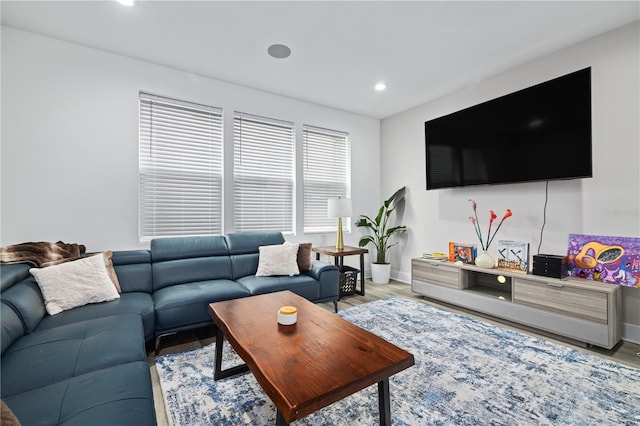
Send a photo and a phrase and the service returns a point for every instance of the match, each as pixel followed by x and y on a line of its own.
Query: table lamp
pixel 339 207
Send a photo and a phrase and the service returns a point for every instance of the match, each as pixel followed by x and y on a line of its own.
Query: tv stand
pixel 582 310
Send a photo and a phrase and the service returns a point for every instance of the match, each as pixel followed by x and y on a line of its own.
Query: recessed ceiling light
pixel 380 86
pixel 279 51
pixel 125 2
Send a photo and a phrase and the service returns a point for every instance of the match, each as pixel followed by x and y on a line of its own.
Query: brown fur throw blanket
pixel 41 254
pixel 7 417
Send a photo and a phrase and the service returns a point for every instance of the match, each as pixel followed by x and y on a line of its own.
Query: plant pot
pixel 380 273
pixel 484 260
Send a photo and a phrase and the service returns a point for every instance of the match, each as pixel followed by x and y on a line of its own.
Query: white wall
pixel 70 140
pixel 69 150
pixel 607 204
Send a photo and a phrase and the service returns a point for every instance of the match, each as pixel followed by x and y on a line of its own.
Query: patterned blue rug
pixel 467 372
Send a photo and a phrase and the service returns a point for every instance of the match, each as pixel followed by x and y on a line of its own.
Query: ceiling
pixel 421 49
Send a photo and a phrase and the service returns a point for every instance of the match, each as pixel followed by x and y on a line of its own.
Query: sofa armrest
pixel 329 278
pixel 318 267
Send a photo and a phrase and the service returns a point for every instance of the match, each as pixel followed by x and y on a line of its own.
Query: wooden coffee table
pixel 304 367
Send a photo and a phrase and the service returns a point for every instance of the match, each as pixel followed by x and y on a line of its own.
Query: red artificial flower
pixel 492 216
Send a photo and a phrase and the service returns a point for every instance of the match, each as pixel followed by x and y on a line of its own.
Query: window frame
pixel 276 140
pixel 180 168
pixel 316 164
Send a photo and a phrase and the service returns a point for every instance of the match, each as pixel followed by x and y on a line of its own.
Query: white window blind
pixel 180 168
pixel 327 174
pixel 264 174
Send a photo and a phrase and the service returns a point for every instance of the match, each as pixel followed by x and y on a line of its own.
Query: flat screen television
pixel 539 133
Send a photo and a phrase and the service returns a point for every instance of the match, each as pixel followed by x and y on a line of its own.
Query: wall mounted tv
pixel 539 133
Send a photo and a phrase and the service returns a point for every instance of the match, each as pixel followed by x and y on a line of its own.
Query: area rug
pixel 467 372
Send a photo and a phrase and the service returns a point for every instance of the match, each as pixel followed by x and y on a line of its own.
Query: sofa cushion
pixel 243 247
pixel 179 271
pixel 244 264
pixel 25 298
pixel 281 259
pixel 12 328
pixel 12 274
pixel 188 247
pixel 187 304
pixel 303 285
pixel 133 268
pixel 119 395
pixel 128 303
pixel 248 242
pixel 49 356
pixel 189 259
pixel 304 257
pixel 108 263
pixel 74 284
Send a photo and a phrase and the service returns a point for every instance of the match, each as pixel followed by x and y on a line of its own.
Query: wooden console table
pixel 578 309
pixel 339 255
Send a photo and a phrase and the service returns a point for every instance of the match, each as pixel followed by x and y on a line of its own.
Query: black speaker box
pixel 550 265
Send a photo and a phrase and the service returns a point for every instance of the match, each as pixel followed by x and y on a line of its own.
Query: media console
pixel 582 310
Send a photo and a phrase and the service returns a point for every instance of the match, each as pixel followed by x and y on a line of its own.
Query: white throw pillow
pixel 278 260
pixel 74 284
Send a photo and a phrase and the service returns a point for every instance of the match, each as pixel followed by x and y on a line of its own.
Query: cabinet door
pixel 435 273
pixel 555 296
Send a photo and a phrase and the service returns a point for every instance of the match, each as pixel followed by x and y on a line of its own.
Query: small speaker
pixel 550 265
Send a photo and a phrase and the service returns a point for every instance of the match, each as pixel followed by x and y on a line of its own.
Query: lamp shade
pixel 339 207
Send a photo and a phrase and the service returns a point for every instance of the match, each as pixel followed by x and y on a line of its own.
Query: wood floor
pixel 624 352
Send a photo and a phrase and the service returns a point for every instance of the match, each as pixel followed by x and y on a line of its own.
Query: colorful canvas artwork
pixel 613 260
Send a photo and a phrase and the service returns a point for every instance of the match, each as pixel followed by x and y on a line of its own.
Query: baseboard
pixel 631 333
pixel 397 276
pixel 404 277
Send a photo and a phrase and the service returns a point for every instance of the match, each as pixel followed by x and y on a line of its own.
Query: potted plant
pixel 381 238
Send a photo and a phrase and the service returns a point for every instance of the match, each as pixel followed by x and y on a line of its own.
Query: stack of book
pixel 435 257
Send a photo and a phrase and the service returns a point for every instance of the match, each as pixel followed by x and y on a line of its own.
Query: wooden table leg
pixel 280 421
pixel 218 373
pixel 361 292
pixel 384 403
pixel 219 343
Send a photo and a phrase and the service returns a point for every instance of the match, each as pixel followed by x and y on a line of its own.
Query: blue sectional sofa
pixel 88 365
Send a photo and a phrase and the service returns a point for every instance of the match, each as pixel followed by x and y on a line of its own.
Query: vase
pixel 484 260
pixel 380 273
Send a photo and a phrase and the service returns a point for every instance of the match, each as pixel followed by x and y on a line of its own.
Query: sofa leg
pixel 158 338
pixel 335 306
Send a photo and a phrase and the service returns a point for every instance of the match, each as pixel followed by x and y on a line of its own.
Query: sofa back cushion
pixel 244 250
pixel 26 300
pixel 13 273
pixel 189 259
pixel 133 268
pixel 12 328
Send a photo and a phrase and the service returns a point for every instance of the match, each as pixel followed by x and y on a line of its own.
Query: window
pixel 327 174
pixel 263 172
pixel 180 168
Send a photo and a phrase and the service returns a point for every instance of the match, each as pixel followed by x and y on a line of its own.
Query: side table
pixel 339 255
